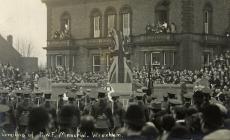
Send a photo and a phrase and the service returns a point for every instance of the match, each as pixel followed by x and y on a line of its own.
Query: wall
pixel 29 64
pixel 220 15
pixel 142 14
pixel 8 55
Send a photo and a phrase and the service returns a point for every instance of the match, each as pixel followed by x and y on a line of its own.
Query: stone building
pixel 78 32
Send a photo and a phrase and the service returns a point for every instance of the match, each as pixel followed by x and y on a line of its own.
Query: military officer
pixel 102 112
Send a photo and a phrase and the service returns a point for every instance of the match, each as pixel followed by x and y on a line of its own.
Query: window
pixel 164 58
pixel 65 22
pixel 207 18
pixel 96 24
pixel 73 61
pixel 126 24
pixel 65 64
pixel 126 13
pixel 155 58
pixel 206 58
pixel 146 59
pixel 110 20
pixel 173 58
pixel 51 60
pixel 111 23
pixel 96 63
pixel 95 18
pixel 162 12
pixel 59 60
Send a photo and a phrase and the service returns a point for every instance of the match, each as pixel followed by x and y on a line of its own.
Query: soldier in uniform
pixel 172 95
pixel 187 99
pixel 4 96
pixel 139 100
pixel 50 108
pixel 38 98
pixel 165 103
pixel 76 118
pixel 80 101
pixel 61 102
pixel 117 111
pixel 3 121
pixel 102 112
pixel 88 107
pixel 22 114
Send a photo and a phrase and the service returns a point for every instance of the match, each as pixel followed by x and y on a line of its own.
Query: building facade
pixel 10 56
pixel 78 32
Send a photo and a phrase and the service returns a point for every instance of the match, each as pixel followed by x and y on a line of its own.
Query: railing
pixel 79 42
pixel 139 39
pixel 59 43
pixel 93 42
pixel 155 38
pixel 214 39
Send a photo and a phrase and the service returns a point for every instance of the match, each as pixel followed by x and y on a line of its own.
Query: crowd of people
pixel 217 73
pixel 35 116
pixel 160 28
pixel 61 75
pixel 79 114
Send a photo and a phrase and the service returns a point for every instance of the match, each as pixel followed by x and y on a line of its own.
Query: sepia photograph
pixel 115 70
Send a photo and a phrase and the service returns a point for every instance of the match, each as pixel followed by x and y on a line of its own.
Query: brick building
pixel 9 55
pixel 78 32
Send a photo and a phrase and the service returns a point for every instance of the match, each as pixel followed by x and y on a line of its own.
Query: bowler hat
pixel 135 115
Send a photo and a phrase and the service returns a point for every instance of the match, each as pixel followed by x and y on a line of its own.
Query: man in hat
pixel 174 103
pixel 4 121
pixel 38 98
pixel 165 102
pixel 134 121
pixel 117 111
pixel 102 112
pixel 80 101
pixel 61 102
pixel 4 96
pixel 22 112
pixel 172 95
pixel 139 100
pixel 187 99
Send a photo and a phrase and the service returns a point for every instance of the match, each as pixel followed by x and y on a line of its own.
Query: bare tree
pixel 24 47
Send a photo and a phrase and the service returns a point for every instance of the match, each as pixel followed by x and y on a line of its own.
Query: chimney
pixel 10 39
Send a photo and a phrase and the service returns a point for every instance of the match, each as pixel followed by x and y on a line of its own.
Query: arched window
pixel 162 12
pixel 65 22
pixel 110 20
pixel 207 21
pixel 96 24
pixel 126 20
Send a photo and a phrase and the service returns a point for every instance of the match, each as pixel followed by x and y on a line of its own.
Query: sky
pixel 26 21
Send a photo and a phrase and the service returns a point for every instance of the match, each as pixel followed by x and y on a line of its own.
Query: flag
pixel 119 71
